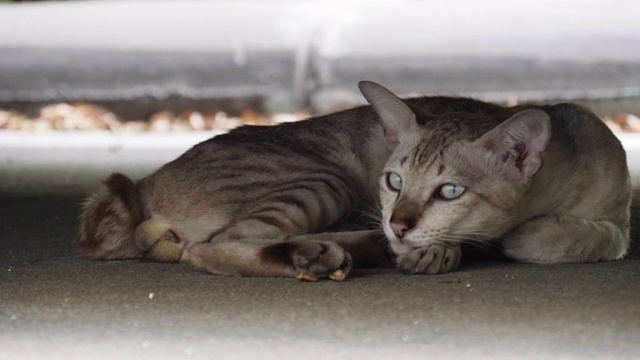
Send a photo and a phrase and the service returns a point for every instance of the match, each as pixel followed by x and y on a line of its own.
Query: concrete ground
pixel 58 306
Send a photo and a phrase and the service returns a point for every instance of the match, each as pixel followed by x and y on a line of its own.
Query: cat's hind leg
pixel 156 240
pixel 566 239
pixel 306 257
pixel 368 248
pixel 305 260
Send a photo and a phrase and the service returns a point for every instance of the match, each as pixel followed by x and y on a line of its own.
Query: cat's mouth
pixel 401 247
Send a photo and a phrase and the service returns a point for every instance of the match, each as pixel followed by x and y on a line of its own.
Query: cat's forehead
pixel 433 142
pixel 431 146
pixel 438 148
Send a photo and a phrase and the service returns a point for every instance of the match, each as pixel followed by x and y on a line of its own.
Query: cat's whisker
pixel 468 238
pixel 470 235
pixel 444 243
pixel 478 234
pixel 371 210
pixel 373 214
pixel 372 217
pixel 453 238
pixel 476 227
pixel 489 244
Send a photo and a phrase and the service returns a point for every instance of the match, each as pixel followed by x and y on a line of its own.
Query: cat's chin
pixel 399 248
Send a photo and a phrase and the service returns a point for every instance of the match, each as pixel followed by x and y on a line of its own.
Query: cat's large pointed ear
pixel 397 117
pixel 519 142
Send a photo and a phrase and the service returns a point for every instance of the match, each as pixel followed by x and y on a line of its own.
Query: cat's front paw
pixel 432 259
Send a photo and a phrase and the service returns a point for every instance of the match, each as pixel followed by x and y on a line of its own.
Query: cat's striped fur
pixel 266 201
pixel 240 203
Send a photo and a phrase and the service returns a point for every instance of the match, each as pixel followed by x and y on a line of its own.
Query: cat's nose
pixel 401 227
pixel 404 218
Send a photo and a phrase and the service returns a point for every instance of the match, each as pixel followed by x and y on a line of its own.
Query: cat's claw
pixel 338 275
pixel 303 276
pixel 433 259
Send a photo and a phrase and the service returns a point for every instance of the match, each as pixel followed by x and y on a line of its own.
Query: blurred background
pixel 136 68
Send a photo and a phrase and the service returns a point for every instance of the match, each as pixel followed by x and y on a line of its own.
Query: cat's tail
pixel 108 219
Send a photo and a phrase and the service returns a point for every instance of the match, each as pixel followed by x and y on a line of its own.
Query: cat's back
pixel 572 120
pixel 317 135
pixel 446 105
pixel 581 136
pixel 591 163
pixel 249 162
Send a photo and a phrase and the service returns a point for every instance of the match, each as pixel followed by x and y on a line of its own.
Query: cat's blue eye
pixel 451 191
pixel 394 181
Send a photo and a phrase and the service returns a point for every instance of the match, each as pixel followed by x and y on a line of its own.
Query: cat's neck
pixel 555 186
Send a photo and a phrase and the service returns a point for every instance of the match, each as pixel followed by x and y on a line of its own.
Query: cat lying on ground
pixel 549 184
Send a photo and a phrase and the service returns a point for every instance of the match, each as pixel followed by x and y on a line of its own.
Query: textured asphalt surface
pixel 59 306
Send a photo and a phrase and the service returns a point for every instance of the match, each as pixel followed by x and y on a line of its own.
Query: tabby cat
pixel 418 177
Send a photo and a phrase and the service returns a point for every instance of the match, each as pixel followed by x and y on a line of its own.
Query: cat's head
pixel 447 181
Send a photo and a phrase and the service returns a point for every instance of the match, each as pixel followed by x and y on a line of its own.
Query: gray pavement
pixel 58 306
